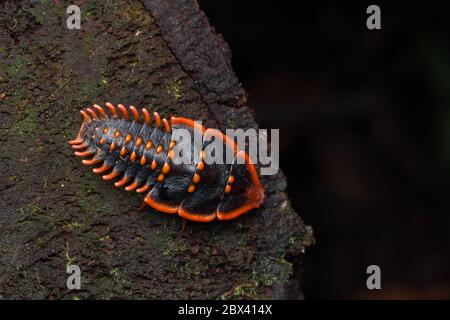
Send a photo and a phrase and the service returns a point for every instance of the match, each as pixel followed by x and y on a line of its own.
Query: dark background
pixel 364 119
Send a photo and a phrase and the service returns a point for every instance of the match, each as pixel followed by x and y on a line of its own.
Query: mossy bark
pixel 55 212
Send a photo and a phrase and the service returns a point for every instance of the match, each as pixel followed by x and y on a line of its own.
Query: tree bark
pixel 55 212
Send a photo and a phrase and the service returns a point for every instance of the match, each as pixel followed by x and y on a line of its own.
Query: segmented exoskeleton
pixel 139 148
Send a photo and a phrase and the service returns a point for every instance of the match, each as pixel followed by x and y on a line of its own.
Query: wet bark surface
pixel 55 212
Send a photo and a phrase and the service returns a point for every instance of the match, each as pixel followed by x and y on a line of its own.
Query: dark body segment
pixel 160 139
pixel 127 141
pixel 136 150
pixel 246 192
pixel 168 193
pixel 113 126
pixel 201 205
pixel 142 152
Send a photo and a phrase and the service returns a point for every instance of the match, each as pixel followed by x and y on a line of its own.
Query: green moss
pixel 195 269
pixel 114 272
pixel 231 123
pixel 111 284
pixel 14 179
pixel 104 238
pixel 174 247
pixel 45 219
pixel 133 13
pixel 90 88
pixel 270 272
pixel 292 240
pixel 174 89
pixel 34 213
pixel 73 225
pixel 90 201
pixel 69 259
pixel 12 69
pixel 25 283
pixel 247 290
pixel 27 122
pixel 42 221
pixel 105 287
pixel 59 11
pixel 18 68
pixel 39 14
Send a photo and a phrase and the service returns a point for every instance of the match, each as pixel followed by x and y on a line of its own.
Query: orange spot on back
pixel 201 166
pixel 196 178
pixel 166 168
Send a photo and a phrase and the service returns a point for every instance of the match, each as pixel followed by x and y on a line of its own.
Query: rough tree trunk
pixel 55 211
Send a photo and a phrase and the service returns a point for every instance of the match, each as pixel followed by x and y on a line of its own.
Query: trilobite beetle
pixel 137 148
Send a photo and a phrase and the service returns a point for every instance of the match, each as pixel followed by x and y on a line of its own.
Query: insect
pixel 139 148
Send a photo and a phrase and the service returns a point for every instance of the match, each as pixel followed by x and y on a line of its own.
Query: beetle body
pixel 138 148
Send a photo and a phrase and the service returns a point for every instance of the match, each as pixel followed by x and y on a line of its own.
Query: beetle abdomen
pixel 139 149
